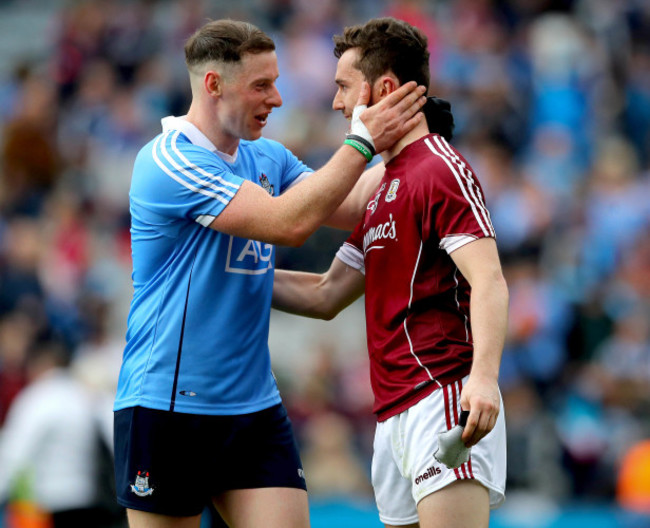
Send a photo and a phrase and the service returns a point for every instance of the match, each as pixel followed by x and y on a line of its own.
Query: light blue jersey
pixel 197 336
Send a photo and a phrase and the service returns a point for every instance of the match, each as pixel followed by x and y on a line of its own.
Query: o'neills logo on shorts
pixel 430 473
pixel 381 231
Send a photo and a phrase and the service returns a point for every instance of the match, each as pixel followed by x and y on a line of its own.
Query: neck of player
pixel 207 121
pixel 418 132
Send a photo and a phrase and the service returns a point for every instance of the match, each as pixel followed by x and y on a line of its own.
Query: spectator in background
pixel 330 459
pixel 22 251
pixel 621 365
pixel 616 212
pixel 633 479
pixel 540 316
pixel 29 160
pixel 50 441
pixel 17 333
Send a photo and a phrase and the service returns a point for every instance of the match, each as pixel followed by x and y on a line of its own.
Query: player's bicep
pixel 251 213
pixel 478 260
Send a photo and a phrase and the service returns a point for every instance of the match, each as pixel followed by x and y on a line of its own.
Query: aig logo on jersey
pixel 248 257
pixel 392 190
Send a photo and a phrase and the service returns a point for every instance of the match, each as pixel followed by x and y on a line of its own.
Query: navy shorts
pixel 174 463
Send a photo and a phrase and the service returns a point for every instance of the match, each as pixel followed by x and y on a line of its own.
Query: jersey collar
pixel 195 136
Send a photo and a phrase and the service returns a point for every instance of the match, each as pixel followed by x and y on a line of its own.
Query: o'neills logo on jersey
pixel 380 232
pixel 429 473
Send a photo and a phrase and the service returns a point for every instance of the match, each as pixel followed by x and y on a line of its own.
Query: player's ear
pixel 213 83
pixel 386 85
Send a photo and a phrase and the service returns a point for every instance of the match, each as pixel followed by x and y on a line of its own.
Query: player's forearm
pixel 290 218
pixel 489 316
pixel 349 213
pixel 299 293
pixel 307 206
pixel 321 296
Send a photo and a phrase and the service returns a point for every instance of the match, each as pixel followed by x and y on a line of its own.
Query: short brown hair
pixel 225 41
pixel 387 44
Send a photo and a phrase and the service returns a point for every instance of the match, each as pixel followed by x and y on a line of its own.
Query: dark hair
pixel 387 44
pixel 225 41
pixel 51 349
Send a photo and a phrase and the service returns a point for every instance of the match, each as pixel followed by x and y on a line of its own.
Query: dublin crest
pixel 266 184
pixel 141 487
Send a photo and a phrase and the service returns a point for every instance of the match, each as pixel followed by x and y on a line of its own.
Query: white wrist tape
pixel 357 128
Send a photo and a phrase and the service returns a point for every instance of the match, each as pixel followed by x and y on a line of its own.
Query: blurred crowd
pixel 551 100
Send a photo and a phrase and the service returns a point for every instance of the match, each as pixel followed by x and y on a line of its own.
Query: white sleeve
pixel 453 242
pixel 350 255
pixel 300 178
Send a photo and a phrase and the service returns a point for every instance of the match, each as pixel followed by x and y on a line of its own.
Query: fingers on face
pixel 364 93
pixel 412 102
pixel 405 96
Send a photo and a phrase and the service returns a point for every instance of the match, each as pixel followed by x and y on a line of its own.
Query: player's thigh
pixel 463 504
pixel 142 519
pixel 416 525
pixel 264 508
pixel 156 465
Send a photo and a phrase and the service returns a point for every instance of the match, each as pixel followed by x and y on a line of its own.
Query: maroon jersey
pixel 428 204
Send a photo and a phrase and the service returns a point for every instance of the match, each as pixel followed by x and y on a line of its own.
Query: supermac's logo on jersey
pixel 248 257
pixel 379 232
pixel 141 487
pixel 392 190
pixel 266 184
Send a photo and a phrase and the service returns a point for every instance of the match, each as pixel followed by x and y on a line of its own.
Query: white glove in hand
pixel 451 449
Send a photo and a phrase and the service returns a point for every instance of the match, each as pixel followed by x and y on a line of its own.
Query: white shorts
pixel 404 470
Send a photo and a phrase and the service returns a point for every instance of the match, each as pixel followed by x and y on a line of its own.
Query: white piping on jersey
pixel 197 168
pixel 487 231
pixel 373 247
pixel 184 182
pixel 193 177
pixel 469 177
pixel 406 330
pixel 458 304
